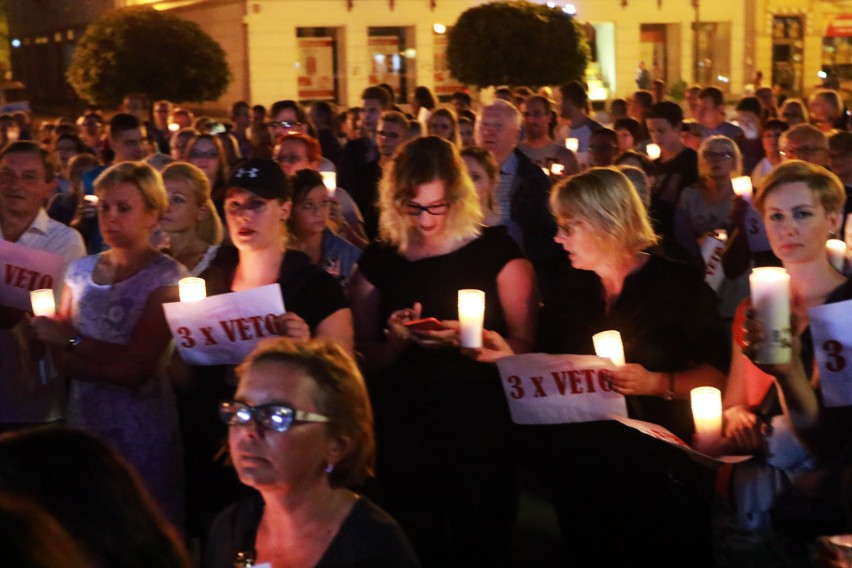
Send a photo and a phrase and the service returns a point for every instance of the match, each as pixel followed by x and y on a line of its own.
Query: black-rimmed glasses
pixel 275 417
pixel 415 209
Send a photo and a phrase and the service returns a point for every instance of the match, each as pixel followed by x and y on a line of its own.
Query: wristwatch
pixel 74 342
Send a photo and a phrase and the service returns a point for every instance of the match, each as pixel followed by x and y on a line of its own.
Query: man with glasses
pixel 804 142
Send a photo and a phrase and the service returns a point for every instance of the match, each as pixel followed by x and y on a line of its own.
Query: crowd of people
pixel 365 435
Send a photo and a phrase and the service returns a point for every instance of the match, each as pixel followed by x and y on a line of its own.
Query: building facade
pixel 333 49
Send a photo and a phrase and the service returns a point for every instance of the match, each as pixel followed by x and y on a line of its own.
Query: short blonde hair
pixel 608 201
pixel 209 228
pixel 144 177
pixel 421 161
pixel 826 186
pixel 342 397
pixel 730 145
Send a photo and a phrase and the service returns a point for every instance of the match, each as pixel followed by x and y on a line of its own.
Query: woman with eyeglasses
pixel 257 206
pixel 619 494
pixel 300 432
pixel 706 207
pixel 310 231
pixel 205 152
pixel 443 423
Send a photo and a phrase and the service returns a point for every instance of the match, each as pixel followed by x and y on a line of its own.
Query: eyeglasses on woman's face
pixel 415 209
pixel 275 417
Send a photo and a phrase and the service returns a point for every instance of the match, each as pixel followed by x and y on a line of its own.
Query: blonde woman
pixel 191 222
pixel 484 172
pixel 112 334
pixel 442 419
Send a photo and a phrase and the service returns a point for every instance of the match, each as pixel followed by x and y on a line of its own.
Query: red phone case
pixel 425 324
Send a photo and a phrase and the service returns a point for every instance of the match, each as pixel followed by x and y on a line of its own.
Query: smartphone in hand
pixel 425 324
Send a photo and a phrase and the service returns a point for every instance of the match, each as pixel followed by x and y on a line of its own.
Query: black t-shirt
pixel 668 321
pixel 368 538
pixel 671 178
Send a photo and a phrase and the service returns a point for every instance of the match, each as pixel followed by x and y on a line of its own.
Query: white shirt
pixel 29 390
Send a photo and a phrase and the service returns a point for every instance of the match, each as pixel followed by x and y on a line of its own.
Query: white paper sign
pixel 831 327
pixel 659 433
pixel 223 329
pixel 558 389
pixel 23 269
pixel 755 231
pixel 711 251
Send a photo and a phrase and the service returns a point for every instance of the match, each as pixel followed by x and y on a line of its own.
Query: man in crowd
pixel 575 106
pixel 160 129
pixel 241 120
pixel 363 150
pixel 712 116
pixel 638 107
pixel 31 392
pixel 538 145
pixel 804 142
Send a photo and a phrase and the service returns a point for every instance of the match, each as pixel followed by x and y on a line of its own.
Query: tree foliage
pixel 516 43
pixel 143 50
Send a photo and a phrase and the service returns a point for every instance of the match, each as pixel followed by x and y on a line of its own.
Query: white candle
pixel 572 144
pixel 330 181
pixel 608 345
pixel 770 297
pixel 653 151
pixel 836 250
pixel 192 289
pixel 707 414
pixel 93 199
pixel 471 315
pixel 557 169
pixel 43 302
pixel 742 187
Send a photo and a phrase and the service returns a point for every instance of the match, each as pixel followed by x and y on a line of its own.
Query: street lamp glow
pixel 16 43
pixel 439 28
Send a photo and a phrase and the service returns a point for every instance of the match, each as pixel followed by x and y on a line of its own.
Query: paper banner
pixel 831 328
pixel 711 251
pixel 222 330
pixel 662 434
pixel 23 269
pixel 558 389
pixel 755 231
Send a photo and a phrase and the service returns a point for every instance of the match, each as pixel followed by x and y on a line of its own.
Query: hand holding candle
pixel 471 316
pixel 557 169
pixel 192 289
pixel 770 297
pixel 572 144
pixel 608 345
pixel 44 304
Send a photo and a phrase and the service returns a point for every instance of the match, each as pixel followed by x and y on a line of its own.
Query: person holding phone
pixel 442 420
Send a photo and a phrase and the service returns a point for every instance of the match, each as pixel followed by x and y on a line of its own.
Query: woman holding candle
pixel 606 479
pixel 800 204
pixel 191 222
pixel 442 418
pixel 110 333
pixel 257 206
pixel 309 226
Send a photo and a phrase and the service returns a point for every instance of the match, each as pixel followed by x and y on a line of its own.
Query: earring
pixel 329 468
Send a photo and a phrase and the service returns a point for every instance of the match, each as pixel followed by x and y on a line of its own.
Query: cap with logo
pixel 261 176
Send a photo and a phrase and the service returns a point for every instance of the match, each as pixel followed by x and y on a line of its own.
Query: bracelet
pixel 670 394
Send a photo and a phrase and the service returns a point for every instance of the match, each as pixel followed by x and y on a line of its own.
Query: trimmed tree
pixel 516 43
pixel 143 50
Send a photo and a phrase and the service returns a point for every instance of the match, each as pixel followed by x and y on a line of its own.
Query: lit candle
pixel 770 297
pixel 608 345
pixel 572 144
pixel 836 253
pixel 707 414
pixel 742 187
pixel 330 181
pixel 471 315
pixel 192 289
pixel 93 199
pixel 174 127
pixel 43 302
pixel 653 151
pixel 557 169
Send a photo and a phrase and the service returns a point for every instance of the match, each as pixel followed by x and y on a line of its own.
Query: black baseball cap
pixel 261 176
